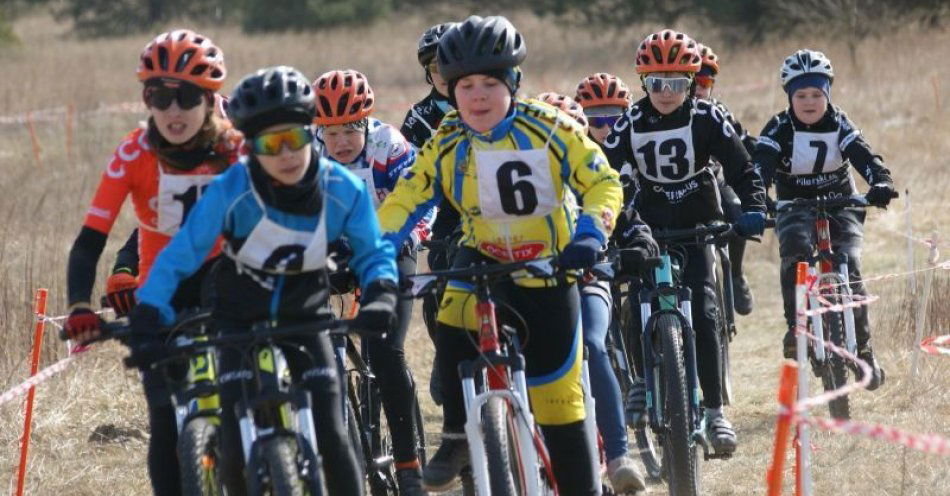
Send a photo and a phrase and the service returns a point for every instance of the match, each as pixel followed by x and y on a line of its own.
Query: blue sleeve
pixel 187 250
pixel 372 258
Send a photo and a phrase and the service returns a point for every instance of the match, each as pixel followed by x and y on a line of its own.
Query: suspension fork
pixel 488 341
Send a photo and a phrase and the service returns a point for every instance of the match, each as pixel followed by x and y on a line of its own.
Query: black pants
pixel 317 371
pixel 163 468
pixel 388 360
pixel 698 277
pixel 547 334
pixel 797 241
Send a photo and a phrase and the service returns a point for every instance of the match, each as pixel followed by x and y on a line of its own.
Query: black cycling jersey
pixel 665 163
pixel 805 161
pixel 424 117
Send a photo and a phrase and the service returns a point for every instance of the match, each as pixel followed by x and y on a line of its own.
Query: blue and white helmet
pixel 805 62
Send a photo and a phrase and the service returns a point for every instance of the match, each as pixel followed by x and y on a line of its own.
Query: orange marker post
pixel 783 425
pixel 34 139
pixel 39 310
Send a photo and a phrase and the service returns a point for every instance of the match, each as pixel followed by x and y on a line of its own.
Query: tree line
pixel 737 21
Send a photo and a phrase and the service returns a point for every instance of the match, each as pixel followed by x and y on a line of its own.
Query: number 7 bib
pixel 514 184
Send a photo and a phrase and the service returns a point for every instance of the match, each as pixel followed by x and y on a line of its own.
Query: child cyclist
pixel 277 211
pixel 665 142
pixel 605 98
pixel 596 300
pixel 164 166
pixel 732 207
pixel 419 125
pixel 807 151
pixel 506 165
pixel 377 153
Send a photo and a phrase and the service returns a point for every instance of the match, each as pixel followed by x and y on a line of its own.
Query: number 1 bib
pixel 177 194
pixel 815 153
pixel 513 184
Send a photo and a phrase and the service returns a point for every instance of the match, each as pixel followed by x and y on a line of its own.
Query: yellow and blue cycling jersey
pixel 511 185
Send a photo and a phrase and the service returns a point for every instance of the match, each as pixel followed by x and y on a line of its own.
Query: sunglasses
pixel 161 97
pixel 705 81
pixel 272 143
pixel 603 120
pixel 657 84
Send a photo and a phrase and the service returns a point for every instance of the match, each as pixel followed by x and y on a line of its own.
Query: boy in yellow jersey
pixel 507 165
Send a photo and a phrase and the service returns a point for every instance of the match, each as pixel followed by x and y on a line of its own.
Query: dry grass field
pixel 897 95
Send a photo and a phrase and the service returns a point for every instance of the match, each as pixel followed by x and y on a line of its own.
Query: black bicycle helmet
pixel 480 45
pixel 429 42
pixel 270 96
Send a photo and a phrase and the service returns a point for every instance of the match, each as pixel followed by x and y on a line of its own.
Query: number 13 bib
pixel 513 184
pixel 666 156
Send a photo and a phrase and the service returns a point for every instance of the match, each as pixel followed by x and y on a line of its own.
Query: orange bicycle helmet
pixel 709 58
pixel 569 106
pixel 185 55
pixel 603 89
pixel 343 97
pixel 668 51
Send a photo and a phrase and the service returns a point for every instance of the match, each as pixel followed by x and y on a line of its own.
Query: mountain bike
pixel 675 429
pixel 832 286
pixel 508 456
pixel 194 397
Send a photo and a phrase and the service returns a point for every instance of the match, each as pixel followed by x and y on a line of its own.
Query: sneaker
pixel 625 476
pixel 410 481
pixel 789 344
pixel 741 295
pixel 866 353
pixel 721 435
pixel 442 471
pixel 635 404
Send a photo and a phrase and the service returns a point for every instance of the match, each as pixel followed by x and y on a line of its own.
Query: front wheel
pixel 272 469
pixel 679 451
pixel 724 330
pixel 198 458
pixel 498 447
pixel 834 372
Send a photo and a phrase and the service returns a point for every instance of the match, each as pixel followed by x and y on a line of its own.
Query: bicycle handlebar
pixel 851 201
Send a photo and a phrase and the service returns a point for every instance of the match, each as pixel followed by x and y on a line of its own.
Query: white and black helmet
pixel 429 42
pixel 480 45
pixel 805 62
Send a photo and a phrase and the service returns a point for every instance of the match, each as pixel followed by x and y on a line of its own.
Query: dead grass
pixel 894 99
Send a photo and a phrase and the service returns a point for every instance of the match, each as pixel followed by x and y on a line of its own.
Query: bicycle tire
pixel 420 430
pixel 495 431
pixel 272 469
pixel 679 451
pixel 197 458
pixel 834 373
pixel 722 329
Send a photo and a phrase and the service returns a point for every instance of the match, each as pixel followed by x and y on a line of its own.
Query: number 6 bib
pixel 514 184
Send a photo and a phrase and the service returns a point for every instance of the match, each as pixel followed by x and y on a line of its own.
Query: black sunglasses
pixel 161 97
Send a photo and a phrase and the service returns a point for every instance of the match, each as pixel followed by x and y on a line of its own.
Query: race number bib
pixel 514 184
pixel 366 174
pixel 665 156
pixel 177 195
pixel 815 153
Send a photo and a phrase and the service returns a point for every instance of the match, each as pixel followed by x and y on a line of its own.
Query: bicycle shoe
pixel 866 353
pixel 442 471
pixel 741 295
pixel 635 404
pixel 625 477
pixel 721 435
pixel 410 481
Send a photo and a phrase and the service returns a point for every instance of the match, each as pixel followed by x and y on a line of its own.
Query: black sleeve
pixel 83 257
pixel 409 130
pixel 127 259
pixel 859 154
pixel 767 153
pixel 618 152
pixel 739 170
pixel 446 220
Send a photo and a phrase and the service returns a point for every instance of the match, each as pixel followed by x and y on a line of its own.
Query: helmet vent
pixel 656 54
pixel 163 58
pixel 611 88
pixel 184 59
pixel 198 69
pixel 674 51
pixel 341 106
pixel 325 106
